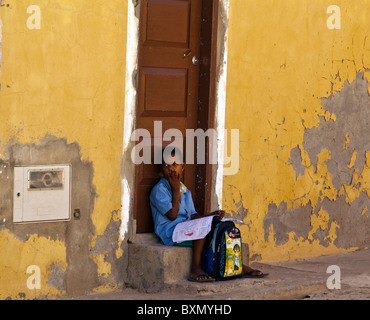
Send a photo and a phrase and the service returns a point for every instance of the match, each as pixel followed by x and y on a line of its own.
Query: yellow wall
pixel 65 79
pixel 282 59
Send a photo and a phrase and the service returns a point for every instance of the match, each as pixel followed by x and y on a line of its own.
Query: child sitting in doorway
pixel 171 203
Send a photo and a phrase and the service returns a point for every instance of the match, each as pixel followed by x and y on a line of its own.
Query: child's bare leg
pixel 196 268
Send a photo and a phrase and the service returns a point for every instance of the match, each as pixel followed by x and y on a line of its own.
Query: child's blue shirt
pixel 161 203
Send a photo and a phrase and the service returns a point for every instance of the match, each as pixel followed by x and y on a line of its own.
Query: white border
pixel 220 105
pixel 130 109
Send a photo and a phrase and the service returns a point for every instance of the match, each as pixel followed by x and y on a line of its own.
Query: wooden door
pixel 167 85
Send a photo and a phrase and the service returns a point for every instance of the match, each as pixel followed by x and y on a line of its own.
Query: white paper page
pixel 192 229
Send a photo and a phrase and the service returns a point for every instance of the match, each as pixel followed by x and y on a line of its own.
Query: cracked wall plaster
pixel 110 249
pixel 56 81
pixel 348 133
pixel 296 161
pixel 345 139
pixel 81 271
pixel 284 221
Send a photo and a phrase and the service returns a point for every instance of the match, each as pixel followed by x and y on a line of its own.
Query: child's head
pixel 172 164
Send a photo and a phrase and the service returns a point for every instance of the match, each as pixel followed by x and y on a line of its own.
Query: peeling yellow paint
pixel 352 191
pixel 353 160
pixel 300 248
pixel 317 64
pixel 59 81
pixel 364 211
pixel 306 161
pixel 104 267
pixel 320 221
pixel 332 232
pixel 17 256
pixel 66 79
pixel 347 142
pixel 119 253
pixel 328 116
pixel 359 183
pixel 367 155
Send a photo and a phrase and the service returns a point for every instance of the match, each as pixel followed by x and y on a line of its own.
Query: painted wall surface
pixel 62 101
pixel 298 91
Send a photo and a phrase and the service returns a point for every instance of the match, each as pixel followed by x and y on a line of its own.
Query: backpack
pixel 222 253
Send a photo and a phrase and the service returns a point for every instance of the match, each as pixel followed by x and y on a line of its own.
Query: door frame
pixel 214 119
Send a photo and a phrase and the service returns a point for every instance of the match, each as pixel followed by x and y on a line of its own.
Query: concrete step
pixel 153 266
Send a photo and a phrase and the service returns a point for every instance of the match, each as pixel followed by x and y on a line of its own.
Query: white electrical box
pixel 42 193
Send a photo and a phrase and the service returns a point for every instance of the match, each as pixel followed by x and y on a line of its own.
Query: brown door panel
pixel 167 85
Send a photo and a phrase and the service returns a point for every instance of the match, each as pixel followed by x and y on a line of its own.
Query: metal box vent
pixel 44 179
pixel 41 193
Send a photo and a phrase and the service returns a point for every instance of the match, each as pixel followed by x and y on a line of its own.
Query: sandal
pixel 203 277
pixel 251 275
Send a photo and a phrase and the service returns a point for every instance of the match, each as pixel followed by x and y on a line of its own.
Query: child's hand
pixel 221 213
pixel 174 181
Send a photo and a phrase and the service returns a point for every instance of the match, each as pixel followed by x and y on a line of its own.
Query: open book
pixel 195 229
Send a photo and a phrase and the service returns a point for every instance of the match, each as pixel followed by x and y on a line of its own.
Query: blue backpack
pixel 222 254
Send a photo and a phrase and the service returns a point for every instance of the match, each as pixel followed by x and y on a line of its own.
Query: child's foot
pixel 202 277
pixel 198 275
pixel 248 272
